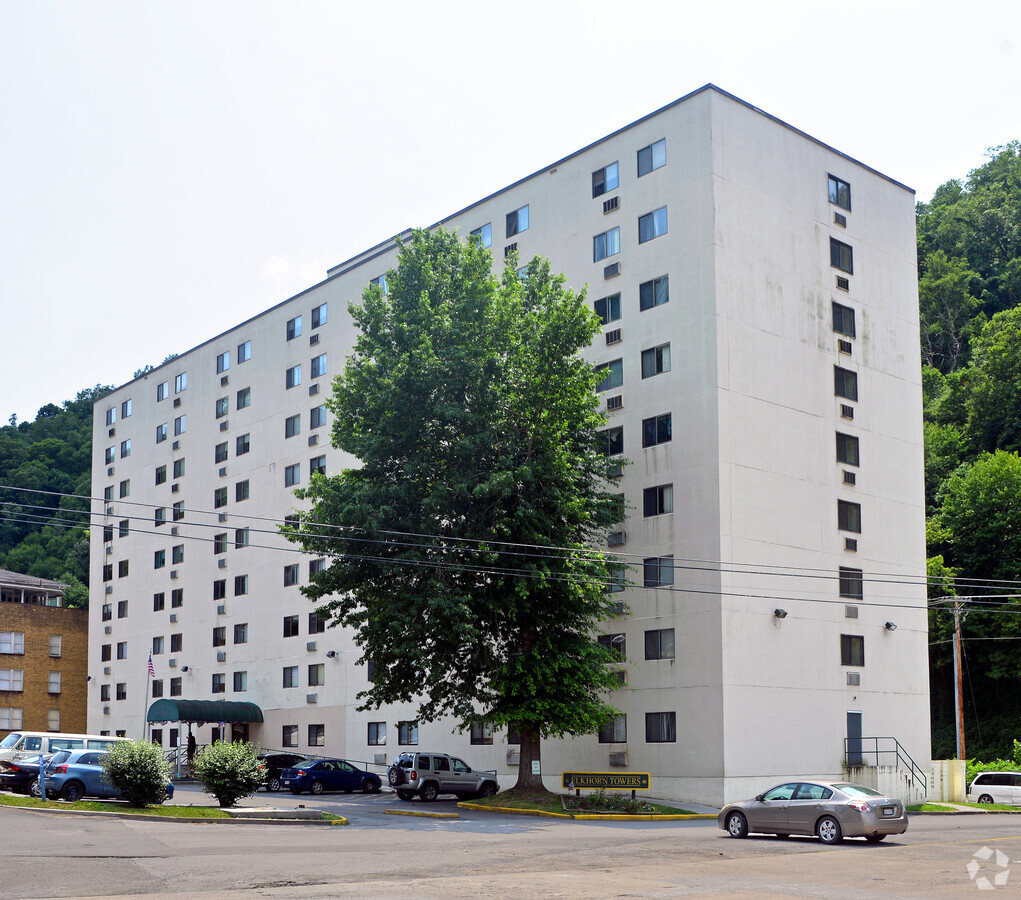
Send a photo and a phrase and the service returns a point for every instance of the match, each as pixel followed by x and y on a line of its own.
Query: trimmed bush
pixel 228 771
pixel 139 770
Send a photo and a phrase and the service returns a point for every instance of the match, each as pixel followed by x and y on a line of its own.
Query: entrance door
pixel 854 757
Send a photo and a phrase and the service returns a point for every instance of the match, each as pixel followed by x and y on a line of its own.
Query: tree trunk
pixel 530 750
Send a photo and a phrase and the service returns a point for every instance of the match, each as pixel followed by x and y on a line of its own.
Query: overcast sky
pixel 168 169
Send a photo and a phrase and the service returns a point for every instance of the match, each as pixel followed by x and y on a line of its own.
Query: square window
pixel 290 676
pixel 243 444
pixel 319 365
pixel 292 426
pixel 517 221
pixel 608 308
pixel 612 440
pixel 161 433
pixel 12 680
pixel 843 319
pixel 244 351
pixel 222 407
pixel 616 644
pixel 318 315
pixel 293 376
pixel 289 736
pixel 654 293
pixel 606 244
pixel 614 731
pixel 661 728
pixel 841 256
pixel 317 417
pixel 241 633
pixel 291 626
pixel 317 466
pixel 316 625
pixel 162 391
pixel 292 475
pixel 293 328
pixel 484 234
pixel 180 425
pixel 657 430
pixel 317 735
pixel 316 674
pixel 845 383
pixel 481 733
pixel 219 683
pixel 241 538
pixel 377 734
pixel 652 225
pixel 240 682
pixel 847 449
pixel 613 375
pixel 241 491
pixel 605 179
pixel 852 650
pixel 180 382
pixel 240 585
pixel 851 582
pixel 244 398
pixel 657 501
pixel 849 516
pixel 658 571
pixel 839 192
pixel 651 157
pixel 223 362
pixel 379 282
pixel 220 454
pixel 176 643
pixel 407 733
pixel 655 361
pixel 290 575
pixel 659 643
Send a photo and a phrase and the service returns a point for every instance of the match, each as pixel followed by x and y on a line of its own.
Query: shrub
pixel 228 771
pixel 139 770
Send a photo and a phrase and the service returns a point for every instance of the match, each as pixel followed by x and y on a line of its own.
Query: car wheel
pixel 429 792
pixel 487 790
pixel 828 830
pixel 874 838
pixel 405 795
pixel 737 825
pixel 72 791
pixel 369 786
pixel 33 788
pixel 985 798
pixel 316 787
pixel 395 775
pixel 273 784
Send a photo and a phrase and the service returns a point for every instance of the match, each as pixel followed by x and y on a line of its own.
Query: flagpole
pixel 145 709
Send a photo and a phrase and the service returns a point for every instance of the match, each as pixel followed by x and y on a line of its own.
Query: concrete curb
pixel 605 817
pixel 964 812
pixel 243 820
pixel 425 815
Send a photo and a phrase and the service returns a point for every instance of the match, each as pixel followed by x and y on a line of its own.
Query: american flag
pixel 152 671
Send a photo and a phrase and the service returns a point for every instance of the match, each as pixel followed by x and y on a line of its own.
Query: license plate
pixel 889 811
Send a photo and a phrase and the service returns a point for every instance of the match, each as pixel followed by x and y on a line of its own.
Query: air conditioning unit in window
pixel 109 471
pixel 176 445
pixel 221 563
pixel 224 425
pixel 513 757
pixel 109 589
pixel 222 471
pixel 616 471
pixel 225 381
pixel 509 249
pixel 854 678
pixel 844 346
pixel 106 710
pixel 222 517
pixel 173 529
pixel 618 608
pixel 109 510
pixel 313 339
pixel 172 663
pixel 313 439
pixel 843 284
pixel 619 758
pixel 611 204
pixel 850 477
pixel 221 610
pixel 379 759
pixel 113 432
pixel 846 411
pixel 840 219
pixel 221 656
pixel 850 544
pixel 177 402
pixel 109 549
pixel 311 698
pixel 313 389
pixel 850 612
pixel 311 645
pixel 173 574
pixel 108 629
pixel 612 270
pixel 613 337
pixel 106 670
pixel 173 618
pixel 616 538
pixel 615 402
pixel 174 488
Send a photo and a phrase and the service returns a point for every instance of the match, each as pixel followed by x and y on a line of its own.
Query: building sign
pixel 607 781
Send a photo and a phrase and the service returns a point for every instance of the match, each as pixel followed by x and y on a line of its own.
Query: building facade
pixel 762 376
pixel 43 650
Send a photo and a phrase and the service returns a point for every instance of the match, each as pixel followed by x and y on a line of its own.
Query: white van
pixel 22 744
pixel 996 787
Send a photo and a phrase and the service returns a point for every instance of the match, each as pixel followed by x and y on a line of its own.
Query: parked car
pixel 21 776
pixel 996 787
pixel 832 810
pixel 274 764
pixel 74 774
pixel 320 775
pixel 432 774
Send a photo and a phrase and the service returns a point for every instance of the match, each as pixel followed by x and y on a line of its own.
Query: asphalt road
pixel 486 855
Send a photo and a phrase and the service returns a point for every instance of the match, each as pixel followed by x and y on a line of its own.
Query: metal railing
pixel 857 752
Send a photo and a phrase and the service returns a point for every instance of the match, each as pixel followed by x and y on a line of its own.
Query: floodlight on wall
pixel 185 668
pixel 331 654
pixel 890 626
pixel 780 613
pixel 88 678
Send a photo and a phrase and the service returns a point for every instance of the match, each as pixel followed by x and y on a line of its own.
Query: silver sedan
pixel 832 810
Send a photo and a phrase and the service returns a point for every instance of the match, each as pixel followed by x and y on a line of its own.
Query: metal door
pixel 854 757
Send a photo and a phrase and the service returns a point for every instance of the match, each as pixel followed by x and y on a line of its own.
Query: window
pixel 657 430
pixel 122 650
pixel 126 448
pixel 608 308
pixel 222 407
pixel 10 718
pixel 849 516
pixel 219 683
pixel 651 157
pixel 177 598
pixel 657 501
pixel 157 691
pixel 162 391
pixel 851 582
pixel 12 679
pixel 180 425
pixel 290 676
pixel 240 585
pixel 123 528
pixel 290 626
pixel 289 736
pixel 317 735
pixel 852 650
pixel 179 468
pixel 661 728
pixel 122 609
pixel 177 554
pixel 616 578
pixel 654 293
pixel 293 376
pixel 316 625
pixel 484 234
pixel 161 475
pixel 159 602
pixel 241 491
pixel 614 731
pixel 292 426
pixel 843 319
pixel 317 417
pixel 656 361
pixel 840 192
pixel 318 315
pixel 157 645
pixel 176 642
pixel 316 674
pixel 319 365
pixel 658 571
pixel 178 511
pixel 53 720
pixel 125 488
pixel 293 328
pixel 407 733
pixel 108 493
pixel 108 572
pixel 111 416
pixel 107 533
pixel 110 455
pixel 122 691
pixel 847 449
pixel 240 682
pixel 292 475
pixel 244 352
pixel 605 179
pixel 481 733
pixel 244 398
pixel 616 644
pixel 652 225
pixel 290 575
pixel 370 670
pixel 841 256
pixel 241 538
pixel 845 383
pixel 106 652
pixel 180 382
pixel 612 440
pixel 243 444
pixel 613 375
pixel 659 644
pixel 377 731
pixel 175 687
pixel 161 433
pixel 606 244
pixel 220 589
pixel 104 693
pixel 220 454
pixel 220 543
pixel 241 633
pixel 223 362
pixel 56 645
pixel 517 222
pixel 379 282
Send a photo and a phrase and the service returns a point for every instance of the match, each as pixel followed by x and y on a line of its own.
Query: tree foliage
pixel 229 771
pixel 460 549
pixel 139 770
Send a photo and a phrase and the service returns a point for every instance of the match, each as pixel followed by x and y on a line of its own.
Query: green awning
pixel 167 710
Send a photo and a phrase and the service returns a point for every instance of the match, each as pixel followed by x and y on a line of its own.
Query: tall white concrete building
pixel 762 375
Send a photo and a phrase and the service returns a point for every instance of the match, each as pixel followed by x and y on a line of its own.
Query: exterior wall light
pixel 890 626
pixel 780 613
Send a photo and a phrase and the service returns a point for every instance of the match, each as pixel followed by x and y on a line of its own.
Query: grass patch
pixel 982 807
pixel 1000 806
pixel 547 802
pixel 169 812
pixel 930 807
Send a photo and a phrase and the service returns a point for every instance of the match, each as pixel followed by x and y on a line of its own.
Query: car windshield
pixel 10 740
pixel 857 790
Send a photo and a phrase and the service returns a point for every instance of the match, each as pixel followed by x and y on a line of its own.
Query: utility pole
pixel 958 681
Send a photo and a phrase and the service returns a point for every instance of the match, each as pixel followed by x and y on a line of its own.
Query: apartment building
pixel 760 348
pixel 43 648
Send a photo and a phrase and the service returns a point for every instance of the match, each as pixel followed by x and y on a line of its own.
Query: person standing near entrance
pixel 191 749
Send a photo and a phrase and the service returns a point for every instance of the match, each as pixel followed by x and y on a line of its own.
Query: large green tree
pixel 460 549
